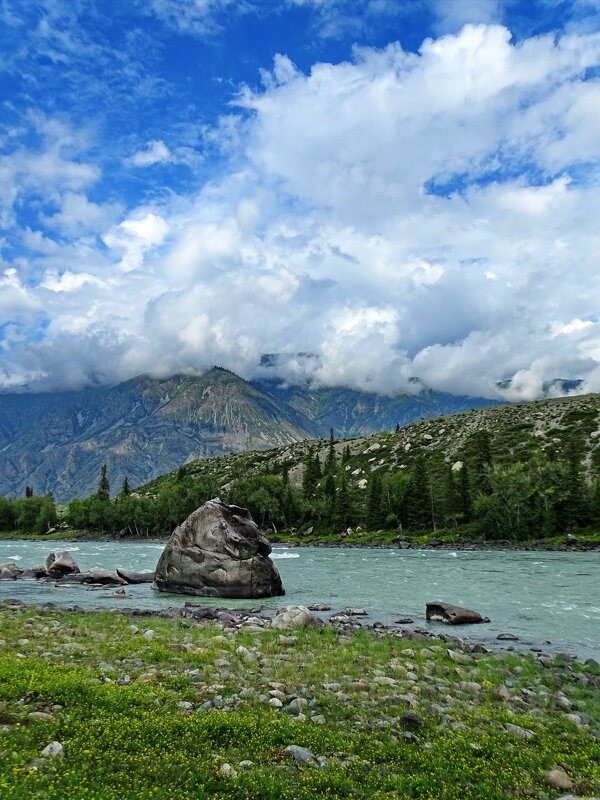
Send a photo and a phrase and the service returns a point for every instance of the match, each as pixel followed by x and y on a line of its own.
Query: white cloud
pixel 400 214
pixel 155 152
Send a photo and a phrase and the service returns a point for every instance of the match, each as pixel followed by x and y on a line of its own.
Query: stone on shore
pixel 452 615
pixel 557 779
pixel 293 617
pixel 218 552
pixel 61 563
pixel 103 576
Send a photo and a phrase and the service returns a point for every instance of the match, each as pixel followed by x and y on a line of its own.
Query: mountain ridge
pixel 144 427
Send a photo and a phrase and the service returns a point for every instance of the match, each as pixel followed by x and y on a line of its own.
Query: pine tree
pixel 418 501
pixel 397 427
pixel 464 491
pixel 125 487
pixel 103 492
pixel 330 461
pixel 346 454
pixel 342 513
pixel 311 475
pixel 375 503
pixel 29 491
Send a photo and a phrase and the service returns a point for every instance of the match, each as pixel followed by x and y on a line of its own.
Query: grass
pixel 115 703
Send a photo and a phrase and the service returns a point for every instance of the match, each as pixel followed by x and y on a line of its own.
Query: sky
pixel 346 192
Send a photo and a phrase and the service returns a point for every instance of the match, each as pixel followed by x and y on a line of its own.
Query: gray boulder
pixel 36 572
pixel 61 563
pixel 10 571
pixel 129 576
pixel 103 576
pixel 218 552
pixel 291 617
pixel 452 615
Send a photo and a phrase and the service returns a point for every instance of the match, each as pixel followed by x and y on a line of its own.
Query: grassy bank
pixel 192 711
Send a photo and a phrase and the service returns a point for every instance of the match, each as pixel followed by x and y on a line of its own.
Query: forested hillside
pixel 521 472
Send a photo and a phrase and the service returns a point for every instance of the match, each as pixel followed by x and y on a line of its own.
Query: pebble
pixel 300 754
pixel 40 716
pixel 149 634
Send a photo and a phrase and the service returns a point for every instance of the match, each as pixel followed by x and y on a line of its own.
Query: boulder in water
pixel 61 563
pixel 130 576
pixel 452 615
pixel 10 571
pixel 218 552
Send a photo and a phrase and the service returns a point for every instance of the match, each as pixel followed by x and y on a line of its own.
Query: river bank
pixel 565 544
pixel 109 705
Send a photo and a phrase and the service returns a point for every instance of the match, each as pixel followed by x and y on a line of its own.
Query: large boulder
pixel 218 552
pixel 61 563
pixel 452 615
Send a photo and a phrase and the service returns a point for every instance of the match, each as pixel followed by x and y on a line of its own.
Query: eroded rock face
pixel 218 552
pixel 61 563
pixel 452 615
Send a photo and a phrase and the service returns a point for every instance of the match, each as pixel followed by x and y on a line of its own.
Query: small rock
pixel 53 750
pixel 246 763
pixel 185 704
pixel 227 770
pixel 516 730
pixel 557 779
pixel 507 637
pixel 275 702
pixel 300 754
pixel 411 721
pixel 149 634
pixel 40 716
pixel 404 621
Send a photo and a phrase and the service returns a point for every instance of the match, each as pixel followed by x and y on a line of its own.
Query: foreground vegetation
pixel 193 711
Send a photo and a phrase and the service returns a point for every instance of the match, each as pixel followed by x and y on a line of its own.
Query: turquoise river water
pixel 540 597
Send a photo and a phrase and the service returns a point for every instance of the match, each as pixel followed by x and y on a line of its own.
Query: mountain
pixel 517 433
pixel 140 428
pixel 352 413
pixel 145 427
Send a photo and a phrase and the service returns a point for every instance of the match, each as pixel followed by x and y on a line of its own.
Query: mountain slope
pixel 145 427
pixel 517 433
pixel 140 428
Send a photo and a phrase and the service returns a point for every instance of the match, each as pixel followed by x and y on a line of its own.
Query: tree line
pixel 515 501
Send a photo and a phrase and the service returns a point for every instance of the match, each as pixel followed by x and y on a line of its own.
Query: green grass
pixel 135 741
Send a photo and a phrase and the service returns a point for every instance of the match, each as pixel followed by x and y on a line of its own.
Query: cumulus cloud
pixel 402 214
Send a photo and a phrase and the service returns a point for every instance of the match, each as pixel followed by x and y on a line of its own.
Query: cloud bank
pixel 430 214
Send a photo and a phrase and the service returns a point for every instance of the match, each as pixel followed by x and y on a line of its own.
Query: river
pixel 540 597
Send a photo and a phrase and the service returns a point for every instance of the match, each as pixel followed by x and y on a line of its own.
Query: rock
pixel 557 779
pixel 300 754
pixel 411 721
pixel 129 576
pixel 452 615
pixel 149 634
pixel 323 607
pixel 517 730
pixel 218 552
pixel 9 572
pixel 354 612
pixel 61 563
pixel 291 617
pixel 404 621
pixel 36 572
pixel 227 770
pixel 507 637
pixel 53 750
pixel 103 576
pixel 40 716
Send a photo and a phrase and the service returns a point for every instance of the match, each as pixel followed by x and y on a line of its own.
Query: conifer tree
pixel 342 515
pixel 418 501
pixel 375 503
pixel 330 461
pixel 464 491
pixel 103 492
pixel 125 487
pixel 312 473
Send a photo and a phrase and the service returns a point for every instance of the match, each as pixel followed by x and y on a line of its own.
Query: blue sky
pixel 399 187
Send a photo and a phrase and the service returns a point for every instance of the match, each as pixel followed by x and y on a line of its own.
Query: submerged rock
pixel 61 563
pixel 218 552
pixel 452 615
